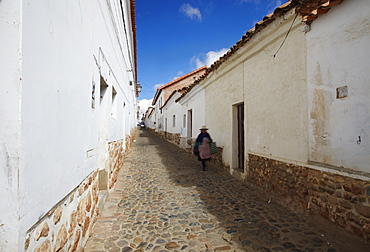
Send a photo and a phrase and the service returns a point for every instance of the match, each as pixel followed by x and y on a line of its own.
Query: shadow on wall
pixel 244 214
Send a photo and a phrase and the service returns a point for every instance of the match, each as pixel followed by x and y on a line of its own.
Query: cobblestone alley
pixel 163 202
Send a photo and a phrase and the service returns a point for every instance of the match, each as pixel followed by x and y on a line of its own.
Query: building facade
pixel 288 104
pixel 169 90
pixel 149 120
pixel 192 113
pixel 68 112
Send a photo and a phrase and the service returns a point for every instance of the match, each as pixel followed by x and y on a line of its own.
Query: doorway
pixel 238 136
pixel 190 125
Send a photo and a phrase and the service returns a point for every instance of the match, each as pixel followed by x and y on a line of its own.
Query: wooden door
pixel 240 121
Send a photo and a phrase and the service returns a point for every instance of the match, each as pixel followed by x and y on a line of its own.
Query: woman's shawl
pixel 204 149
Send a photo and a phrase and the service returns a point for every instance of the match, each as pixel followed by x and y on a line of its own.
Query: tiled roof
pixel 149 111
pixel 156 95
pixel 309 10
pixel 183 77
pixel 169 98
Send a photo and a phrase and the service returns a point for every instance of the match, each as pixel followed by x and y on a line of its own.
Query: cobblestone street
pixel 163 202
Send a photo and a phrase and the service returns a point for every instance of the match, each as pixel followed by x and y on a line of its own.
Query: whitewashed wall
pixel 223 89
pixel 276 91
pixel 159 119
pixel 273 90
pixel 149 118
pixel 338 53
pixel 195 101
pixel 56 50
pixel 170 110
pixel 10 93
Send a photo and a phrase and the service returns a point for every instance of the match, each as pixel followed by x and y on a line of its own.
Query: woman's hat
pixel 204 127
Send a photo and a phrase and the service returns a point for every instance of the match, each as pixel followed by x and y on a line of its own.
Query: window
pixel 160 104
pixel 93 95
pixel 103 88
pixel 190 124
pixel 114 103
pixel 174 121
pixel 184 121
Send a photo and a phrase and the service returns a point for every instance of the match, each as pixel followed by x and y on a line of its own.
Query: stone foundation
pixel 130 139
pixel 116 157
pixel 115 161
pixel 185 143
pixel 340 199
pixel 68 225
pixel 173 138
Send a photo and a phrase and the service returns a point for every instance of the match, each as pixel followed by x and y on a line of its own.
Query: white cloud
pixel 191 12
pixel 273 5
pixel 277 4
pixel 156 86
pixel 209 58
pixel 144 104
pixel 178 75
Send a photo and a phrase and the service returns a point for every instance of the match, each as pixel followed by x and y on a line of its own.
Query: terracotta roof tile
pixel 169 98
pixel 175 81
pixel 183 77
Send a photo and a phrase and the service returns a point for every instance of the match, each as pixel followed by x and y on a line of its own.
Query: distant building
pixel 149 119
pixel 67 114
pixel 166 91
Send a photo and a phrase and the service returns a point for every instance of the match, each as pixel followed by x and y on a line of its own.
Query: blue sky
pixel 175 37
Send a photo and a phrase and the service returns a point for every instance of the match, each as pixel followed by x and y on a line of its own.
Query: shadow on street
pixel 247 216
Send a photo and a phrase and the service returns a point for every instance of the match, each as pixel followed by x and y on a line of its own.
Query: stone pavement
pixel 163 202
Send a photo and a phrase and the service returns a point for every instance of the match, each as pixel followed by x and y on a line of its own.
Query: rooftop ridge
pixel 183 77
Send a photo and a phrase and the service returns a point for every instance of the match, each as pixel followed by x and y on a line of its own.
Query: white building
pixel 67 112
pixel 193 114
pixel 338 83
pixel 289 104
pixel 166 91
pixel 149 119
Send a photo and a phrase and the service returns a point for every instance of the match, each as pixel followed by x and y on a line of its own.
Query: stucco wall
pixel 149 118
pixel 337 57
pixel 273 90
pixel 223 89
pixel 10 93
pixel 59 50
pixel 194 101
pixel 164 93
pixel 276 94
pixel 172 109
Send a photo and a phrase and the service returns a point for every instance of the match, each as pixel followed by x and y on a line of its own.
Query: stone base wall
pixel 115 161
pixel 130 139
pixel 217 158
pixel 68 225
pixel 185 143
pixel 174 138
pixel 116 153
pixel 337 198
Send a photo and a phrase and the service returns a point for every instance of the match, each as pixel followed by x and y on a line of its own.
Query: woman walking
pixel 202 148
